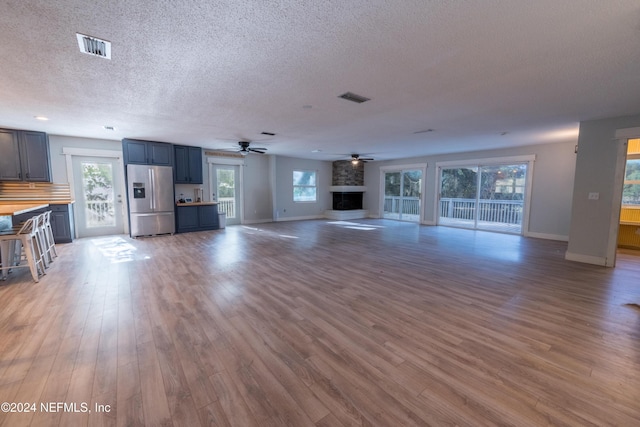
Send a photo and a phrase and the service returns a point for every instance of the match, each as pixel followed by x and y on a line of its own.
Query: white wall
pixel 284 207
pixel 257 189
pixel 552 185
pixel 600 157
pixel 57 142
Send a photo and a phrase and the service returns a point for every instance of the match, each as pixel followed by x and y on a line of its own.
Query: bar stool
pixel 49 240
pixel 41 232
pixel 24 243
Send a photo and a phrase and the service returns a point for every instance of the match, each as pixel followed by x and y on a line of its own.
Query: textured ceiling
pixel 210 73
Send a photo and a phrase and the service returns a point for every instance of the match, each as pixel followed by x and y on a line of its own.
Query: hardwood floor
pixel 317 324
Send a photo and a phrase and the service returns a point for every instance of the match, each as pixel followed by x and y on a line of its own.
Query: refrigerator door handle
pixel 151 190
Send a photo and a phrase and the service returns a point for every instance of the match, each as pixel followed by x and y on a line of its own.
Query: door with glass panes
pixel 225 182
pixel 402 195
pixel 98 195
pixel 483 197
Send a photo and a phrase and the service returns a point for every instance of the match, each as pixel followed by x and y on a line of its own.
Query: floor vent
pixel 349 96
pixel 93 46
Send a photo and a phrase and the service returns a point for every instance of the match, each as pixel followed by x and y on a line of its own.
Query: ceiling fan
pixel 355 159
pixel 245 149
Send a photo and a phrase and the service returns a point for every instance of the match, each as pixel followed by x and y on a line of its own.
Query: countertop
pixel 5 202
pixel 20 208
pixel 196 204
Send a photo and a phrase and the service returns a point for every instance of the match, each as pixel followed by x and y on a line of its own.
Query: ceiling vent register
pixel 350 96
pixel 94 46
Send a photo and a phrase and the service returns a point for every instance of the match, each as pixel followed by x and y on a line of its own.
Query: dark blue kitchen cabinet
pixel 188 164
pixel 25 156
pixel 62 223
pixel 208 217
pixel 147 152
pixel 196 218
pixel 187 218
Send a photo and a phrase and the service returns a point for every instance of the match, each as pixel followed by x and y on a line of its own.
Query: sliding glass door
pixel 481 197
pixel 402 191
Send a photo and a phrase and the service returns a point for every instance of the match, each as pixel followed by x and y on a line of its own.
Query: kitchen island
pixel 21 200
pixel 9 210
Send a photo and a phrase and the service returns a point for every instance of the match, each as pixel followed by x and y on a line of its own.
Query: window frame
pixel 314 186
pixel 630 182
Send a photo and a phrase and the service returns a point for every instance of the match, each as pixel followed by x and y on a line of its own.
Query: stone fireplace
pixel 347 191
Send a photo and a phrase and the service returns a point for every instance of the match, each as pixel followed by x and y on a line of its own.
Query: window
pixel 304 186
pixel 631 191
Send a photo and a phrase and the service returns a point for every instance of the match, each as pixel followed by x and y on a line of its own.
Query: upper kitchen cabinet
pixel 147 152
pixel 25 156
pixel 188 168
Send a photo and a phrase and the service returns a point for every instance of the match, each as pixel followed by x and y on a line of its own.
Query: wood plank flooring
pixel 314 323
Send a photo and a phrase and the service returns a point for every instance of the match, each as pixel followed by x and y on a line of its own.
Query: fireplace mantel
pixel 347 188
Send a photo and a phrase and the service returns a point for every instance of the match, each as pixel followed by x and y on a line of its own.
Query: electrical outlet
pixel 594 196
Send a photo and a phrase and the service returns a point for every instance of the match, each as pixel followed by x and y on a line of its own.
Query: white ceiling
pixel 210 73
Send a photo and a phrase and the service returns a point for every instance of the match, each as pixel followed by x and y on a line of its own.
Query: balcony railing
pixel 499 215
pixel 228 206
pixel 408 209
pixel 100 214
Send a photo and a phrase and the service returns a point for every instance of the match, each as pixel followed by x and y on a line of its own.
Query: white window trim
pixel 315 172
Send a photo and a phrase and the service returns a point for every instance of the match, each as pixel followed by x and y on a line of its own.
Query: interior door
pixel 98 195
pixel 225 181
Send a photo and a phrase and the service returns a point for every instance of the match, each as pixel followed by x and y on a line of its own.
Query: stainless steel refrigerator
pixel 151 206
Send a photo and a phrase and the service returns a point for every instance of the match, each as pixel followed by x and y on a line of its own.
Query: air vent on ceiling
pixel 268 133
pixel 349 96
pixel 94 46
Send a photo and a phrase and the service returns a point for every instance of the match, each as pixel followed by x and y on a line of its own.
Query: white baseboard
pixel 547 236
pixel 257 221
pixel 428 223
pixel 587 259
pixel 299 218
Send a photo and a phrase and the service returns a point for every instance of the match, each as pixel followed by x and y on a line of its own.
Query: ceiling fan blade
pixel 257 150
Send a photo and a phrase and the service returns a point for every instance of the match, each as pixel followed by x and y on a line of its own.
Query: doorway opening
pixel 629 231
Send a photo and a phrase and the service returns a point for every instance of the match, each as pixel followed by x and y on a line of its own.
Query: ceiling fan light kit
pixel 355 159
pixel 246 149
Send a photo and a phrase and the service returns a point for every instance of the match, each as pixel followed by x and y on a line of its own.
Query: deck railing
pixel 410 205
pixel 499 211
pixel 100 213
pixel 228 206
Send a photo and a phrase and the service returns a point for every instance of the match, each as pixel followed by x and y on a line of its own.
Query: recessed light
pixel 108 127
pixel 316 151
pixel 268 133
pixel 43 118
